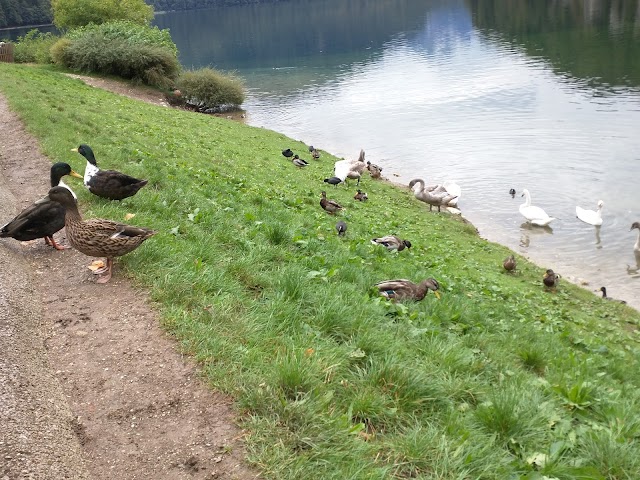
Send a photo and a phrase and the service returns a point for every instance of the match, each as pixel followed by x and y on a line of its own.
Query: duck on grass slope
pixel 107 183
pixel 534 215
pixel 41 220
pixel 97 237
pixel 403 289
pixel 391 242
pixel 589 216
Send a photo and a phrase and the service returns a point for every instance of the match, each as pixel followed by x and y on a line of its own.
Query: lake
pixel 494 94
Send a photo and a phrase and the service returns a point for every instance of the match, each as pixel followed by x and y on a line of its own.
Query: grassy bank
pixel 499 379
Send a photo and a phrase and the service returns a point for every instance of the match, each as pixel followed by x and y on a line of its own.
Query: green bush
pixel 209 89
pixel 76 13
pixel 133 33
pixel 123 49
pixel 34 47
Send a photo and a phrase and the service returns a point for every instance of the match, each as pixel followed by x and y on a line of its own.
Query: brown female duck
pixel 107 183
pixel 402 289
pixel 41 220
pixel 97 237
pixel 509 263
pixel 550 279
pixel 330 206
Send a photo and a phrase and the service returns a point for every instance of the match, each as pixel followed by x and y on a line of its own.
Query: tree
pixel 77 13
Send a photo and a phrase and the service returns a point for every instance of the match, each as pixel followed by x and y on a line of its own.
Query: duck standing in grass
pixel 403 289
pixel 550 279
pixel 107 183
pixel 360 196
pixel 298 162
pixel 287 152
pixel 315 154
pixel 42 220
pixel 330 206
pixel 391 242
pixel 97 237
pixel 341 227
pixel 509 263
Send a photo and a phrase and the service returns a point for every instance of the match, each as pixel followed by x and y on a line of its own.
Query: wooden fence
pixel 6 52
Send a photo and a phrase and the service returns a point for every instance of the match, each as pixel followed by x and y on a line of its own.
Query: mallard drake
pixel 604 295
pixel 402 289
pixel 341 227
pixel 590 216
pixel 42 220
pixel 330 206
pixel 107 183
pixel 509 263
pixel 298 162
pixel 97 237
pixel 352 169
pixel 435 195
pixel 550 279
pixel 534 215
pixel 636 247
pixel 287 153
pixel 391 242
pixel 360 196
pixel 374 170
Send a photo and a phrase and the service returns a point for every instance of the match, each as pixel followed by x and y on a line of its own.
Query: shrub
pixel 209 89
pixel 123 49
pixel 34 47
pixel 133 33
pixel 76 13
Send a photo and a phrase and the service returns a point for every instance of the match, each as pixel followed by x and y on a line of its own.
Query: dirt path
pixel 90 386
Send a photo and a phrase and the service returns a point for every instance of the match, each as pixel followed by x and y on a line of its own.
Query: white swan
pixel 435 195
pixel 589 216
pixel 534 215
pixel 353 169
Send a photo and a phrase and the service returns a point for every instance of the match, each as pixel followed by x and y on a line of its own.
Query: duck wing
pixel 36 221
pixel 398 288
pixel 389 241
pixel 114 185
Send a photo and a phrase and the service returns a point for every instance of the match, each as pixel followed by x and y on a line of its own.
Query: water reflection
pixel 529 231
pixel 598 239
pixel 596 41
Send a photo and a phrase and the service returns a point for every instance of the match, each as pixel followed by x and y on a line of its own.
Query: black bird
pixel 512 192
pixel 287 153
pixel 341 227
pixel 43 219
pixel 333 181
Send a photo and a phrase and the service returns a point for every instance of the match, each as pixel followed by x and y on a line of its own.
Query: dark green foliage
pixel 34 47
pixel 208 88
pixel 14 13
pixel 123 49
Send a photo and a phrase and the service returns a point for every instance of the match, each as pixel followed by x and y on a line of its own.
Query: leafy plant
pixel 34 47
pixel 210 89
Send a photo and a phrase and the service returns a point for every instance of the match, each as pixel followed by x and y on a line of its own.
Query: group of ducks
pixel 94 237
pixel 397 289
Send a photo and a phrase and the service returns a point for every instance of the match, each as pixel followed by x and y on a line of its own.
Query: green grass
pixel 499 379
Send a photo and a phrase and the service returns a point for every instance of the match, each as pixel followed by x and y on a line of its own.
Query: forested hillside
pixel 15 13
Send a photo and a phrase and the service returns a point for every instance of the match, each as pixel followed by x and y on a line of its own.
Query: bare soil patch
pixel 128 404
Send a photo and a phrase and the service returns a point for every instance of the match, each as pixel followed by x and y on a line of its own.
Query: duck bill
pixel 437 294
pixel 76 174
pixel 75 149
pixel 43 200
